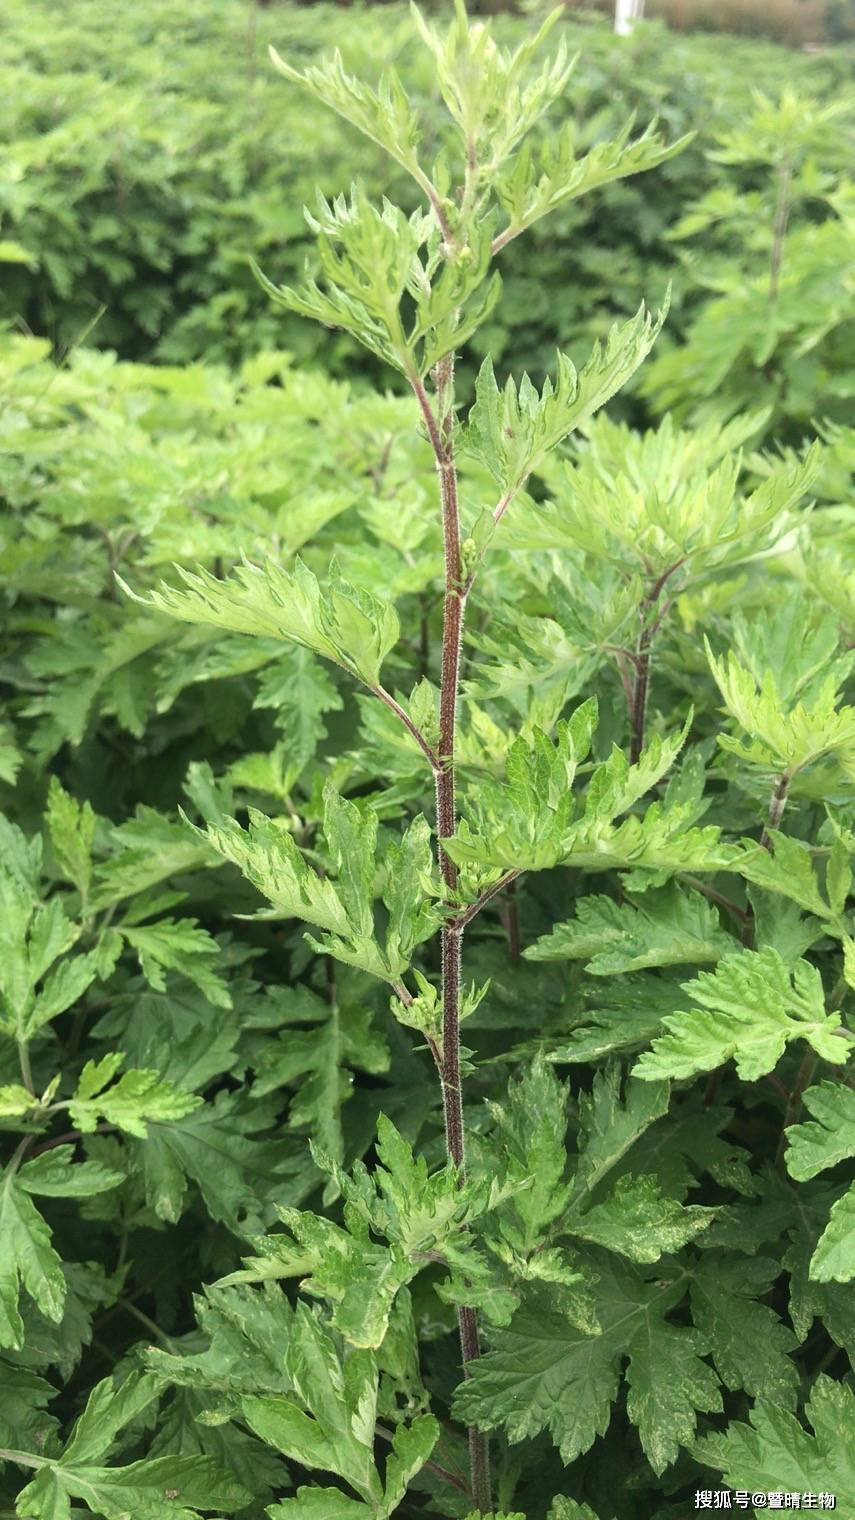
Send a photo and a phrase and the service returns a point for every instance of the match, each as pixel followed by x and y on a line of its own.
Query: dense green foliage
pixel 237 1234
pixel 146 160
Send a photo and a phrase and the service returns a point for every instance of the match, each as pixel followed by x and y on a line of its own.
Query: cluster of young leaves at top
pixel 413 289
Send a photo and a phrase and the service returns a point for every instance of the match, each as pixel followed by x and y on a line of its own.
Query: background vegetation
pixel 145 163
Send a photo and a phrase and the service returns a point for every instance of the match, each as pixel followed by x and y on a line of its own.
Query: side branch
pixel 652 614
pixel 428 751
pixel 437 207
pixel 503 238
pixel 501 506
pixel 777 804
pixel 24 1459
pixel 462 919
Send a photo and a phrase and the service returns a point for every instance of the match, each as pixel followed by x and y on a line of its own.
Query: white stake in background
pixel 627 12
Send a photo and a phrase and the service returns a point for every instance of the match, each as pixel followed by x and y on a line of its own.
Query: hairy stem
pixel 779 228
pixel 651 616
pixel 479 1451
pixel 453 610
pixel 437 207
pixel 777 803
pixel 71 1137
pixel 640 686
pixel 452 1095
pixel 148 1324
pixel 26 1069
pixel 713 1083
pixel 804 1076
pixel 24 1459
pixel 440 430
pixel 510 914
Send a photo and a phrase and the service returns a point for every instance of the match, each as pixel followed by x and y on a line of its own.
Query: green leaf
pixel 834 1257
pixel 178 945
pixel 351 835
pixel 825 1141
pixel 318 1061
pixel 411 1448
pixel 531 821
pixel 638 1222
pixel 239 1177
pixel 531 190
pixel 15 253
pixel 244 1331
pixel 35 984
pixel 775 1452
pixel 531 1126
pixel 139 1489
pixel 11 756
pixel 320 1504
pixel 299 692
pixel 184 1430
pixel 150 849
pixel 829 1137
pixel 484 85
pixel 778 735
pixel 749 1345
pixel 610 1124
pixel 542 1374
pixel 15 1101
pixel 663 505
pixel 421 1217
pixel 809 1300
pixel 626 1015
pixel 268 856
pixel 327 1423
pixel 64 985
pixel 522 823
pixel 27 1260
pixel 568 1509
pixel 634 1219
pixel 512 431
pixel 749 1009
pixel 838 878
pixel 24 1423
pixel 55 1174
pixel 668 927
pixel 787 868
pixel 410 884
pixel 384 115
pixel 369 259
pixel 353 628
pixel 137 1099
pixel 71 826
pixel 88 1292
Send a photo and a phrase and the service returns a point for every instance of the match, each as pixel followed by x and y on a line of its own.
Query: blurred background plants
pixel 143 163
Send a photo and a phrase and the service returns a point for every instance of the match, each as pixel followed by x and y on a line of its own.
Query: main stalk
pixel 440 428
